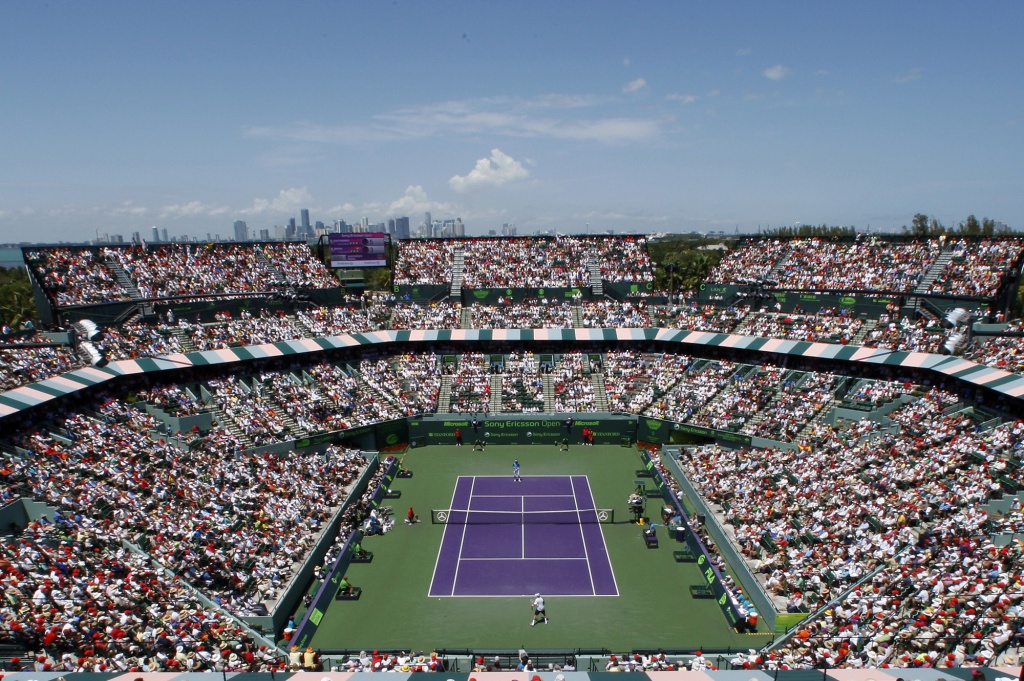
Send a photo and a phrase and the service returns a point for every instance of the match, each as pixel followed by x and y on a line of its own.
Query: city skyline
pixel 120 117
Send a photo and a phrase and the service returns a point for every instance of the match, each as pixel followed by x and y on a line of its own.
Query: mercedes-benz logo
pixel 602 516
pixel 442 516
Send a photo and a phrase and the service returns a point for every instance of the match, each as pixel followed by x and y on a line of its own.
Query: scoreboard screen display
pixel 358 250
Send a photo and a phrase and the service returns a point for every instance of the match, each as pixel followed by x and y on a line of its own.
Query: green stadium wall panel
pixel 506 334
pixel 728 604
pixel 28 396
pixel 93 375
pixel 264 351
pixel 1003 382
pixel 50 389
pixel 743 342
pixel 66 384
pixel 871 674
pixel 630 334
pixel 244 354
pixel 8 406
pixel 670 335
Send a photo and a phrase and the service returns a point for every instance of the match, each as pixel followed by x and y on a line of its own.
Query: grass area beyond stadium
pixel 654 608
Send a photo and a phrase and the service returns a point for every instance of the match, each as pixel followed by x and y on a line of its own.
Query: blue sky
pixel 654 116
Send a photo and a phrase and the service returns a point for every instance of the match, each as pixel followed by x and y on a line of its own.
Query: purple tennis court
pixel 508 538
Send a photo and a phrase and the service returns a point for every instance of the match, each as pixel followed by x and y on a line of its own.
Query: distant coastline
pixel 10 256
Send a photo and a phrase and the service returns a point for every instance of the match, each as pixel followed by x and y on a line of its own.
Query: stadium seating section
pixel 887 510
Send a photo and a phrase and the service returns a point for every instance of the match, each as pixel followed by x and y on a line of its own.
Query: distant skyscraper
pixel 264 235
pixel 305 229
pixel 156 234
pixel 428 221
pixel 164 234
pixel 401 228
pixel 241 231
pixel 292 231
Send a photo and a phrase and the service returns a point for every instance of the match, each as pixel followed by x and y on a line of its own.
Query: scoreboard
pixel 358 250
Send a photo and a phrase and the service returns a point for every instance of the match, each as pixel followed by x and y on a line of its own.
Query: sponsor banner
pixel 374 436
pixel 418 293
pixel 620 290
pixel 542 430
pixel 660 431
pixel 492 296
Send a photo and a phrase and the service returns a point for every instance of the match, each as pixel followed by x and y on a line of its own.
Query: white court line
pixel 462 541
pixel 558 595
pixel 483 559
pixel 516 496
pixel 583 537
pixel 553 475
pixel 440 546
pixel 546 595
pixel 604 545
pixel 522 507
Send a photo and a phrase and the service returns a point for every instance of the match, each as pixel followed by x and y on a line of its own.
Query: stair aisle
pixel 495 398
pixel 549 392
pixel 444 395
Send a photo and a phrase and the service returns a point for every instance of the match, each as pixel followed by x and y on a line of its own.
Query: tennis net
pixel 453 516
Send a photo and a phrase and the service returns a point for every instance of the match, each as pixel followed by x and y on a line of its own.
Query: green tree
pixel 17 304
pixel 682 262
pixel 970 226
pixel 919 225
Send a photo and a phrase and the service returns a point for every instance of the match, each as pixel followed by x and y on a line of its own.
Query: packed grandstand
pixel 878 499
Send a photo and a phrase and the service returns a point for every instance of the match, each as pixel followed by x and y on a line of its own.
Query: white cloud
pixel 682 99
pixel 626 61
pixel 192 209
pixel 412 202
pixel 556 100
pixel 821 72
pixel 495 171
pixel 744 52
pixel 315 132
pixel 634 85
pixel 129 208
pixel 286 201
pixel 713 93
pixel 599 217
pixel 339 209
pixel 777 72
pixel 554 116
pixel 908 77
